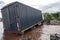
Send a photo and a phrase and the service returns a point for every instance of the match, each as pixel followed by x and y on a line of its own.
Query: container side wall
pixel 29 16
pixel 23 17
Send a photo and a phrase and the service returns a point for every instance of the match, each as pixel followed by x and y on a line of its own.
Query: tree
pixel 56 15
pixel 48 16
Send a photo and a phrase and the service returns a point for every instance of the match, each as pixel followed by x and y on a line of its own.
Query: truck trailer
pixel 18 17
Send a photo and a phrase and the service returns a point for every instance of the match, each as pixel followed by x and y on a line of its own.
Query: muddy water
pixel 49 30
pixel 39 33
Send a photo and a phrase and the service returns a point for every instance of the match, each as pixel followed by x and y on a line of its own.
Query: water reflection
pixel 33 34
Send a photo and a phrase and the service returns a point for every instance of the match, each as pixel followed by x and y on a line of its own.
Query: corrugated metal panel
pixel 13 20
pixel 6 20
pixel 23 17
pixel 22 14
pixel 9 16
pixel 29 16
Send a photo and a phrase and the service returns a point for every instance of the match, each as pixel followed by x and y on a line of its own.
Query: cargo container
pixel 18 17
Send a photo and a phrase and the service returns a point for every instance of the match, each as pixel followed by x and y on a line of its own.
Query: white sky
pixel 33 3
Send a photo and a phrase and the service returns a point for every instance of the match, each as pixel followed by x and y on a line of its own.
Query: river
pixel 39 33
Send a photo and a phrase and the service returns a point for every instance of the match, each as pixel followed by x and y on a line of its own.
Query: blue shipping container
pixel 18 17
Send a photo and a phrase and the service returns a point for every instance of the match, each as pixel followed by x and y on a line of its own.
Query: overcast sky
pixel 33 3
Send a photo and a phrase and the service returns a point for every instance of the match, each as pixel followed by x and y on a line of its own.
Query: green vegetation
pixel 57 15
pixel 48 16
pixel 52 16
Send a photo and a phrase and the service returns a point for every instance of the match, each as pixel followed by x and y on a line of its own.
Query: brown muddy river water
pixel 39 33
